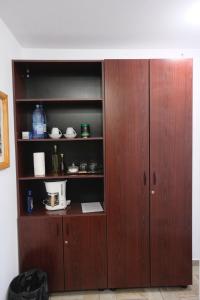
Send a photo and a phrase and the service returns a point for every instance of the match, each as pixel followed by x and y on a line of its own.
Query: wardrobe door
pixel 171 172
pixel 127 171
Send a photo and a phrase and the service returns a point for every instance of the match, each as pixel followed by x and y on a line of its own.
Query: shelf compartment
pixel 79 190
pixel 63 116
pixel 58 80
pixel 73 152
pixel 62 140
pixel 57 177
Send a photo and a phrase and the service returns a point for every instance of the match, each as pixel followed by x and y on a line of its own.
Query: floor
pixel 190 293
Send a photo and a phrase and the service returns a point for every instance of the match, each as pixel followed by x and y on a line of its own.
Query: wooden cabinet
pixel 140 113
pixel 41 246
pixel 148 107
pixel 127 171
pixel 171 172
pixel 71 249
pixel 85 252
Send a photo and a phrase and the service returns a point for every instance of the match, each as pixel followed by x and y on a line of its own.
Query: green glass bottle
pixel 62 164
pixel 55 161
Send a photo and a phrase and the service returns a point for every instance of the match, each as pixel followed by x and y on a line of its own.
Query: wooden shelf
pixel 67 176
pixel 74 100
pixel 62 140
pixel 73 209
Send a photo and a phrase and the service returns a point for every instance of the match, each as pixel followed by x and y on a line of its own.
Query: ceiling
pixel 101 24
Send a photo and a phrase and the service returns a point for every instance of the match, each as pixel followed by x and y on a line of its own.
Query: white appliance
pixel 57 187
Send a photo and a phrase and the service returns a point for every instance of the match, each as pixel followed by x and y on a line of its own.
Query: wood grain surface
pixel 41 246
pixel 85 256
pixel 171 166
pixel 127 171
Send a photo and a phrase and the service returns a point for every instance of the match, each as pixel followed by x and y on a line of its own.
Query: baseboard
pixel 195 262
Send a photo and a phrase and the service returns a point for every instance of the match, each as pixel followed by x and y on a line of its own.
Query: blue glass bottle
pixel 29 202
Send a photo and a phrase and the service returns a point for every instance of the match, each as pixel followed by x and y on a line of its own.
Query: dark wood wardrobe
pixel 140 114
pixel 148 117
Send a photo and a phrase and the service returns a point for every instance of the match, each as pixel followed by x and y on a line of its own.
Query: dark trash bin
pixel 30 285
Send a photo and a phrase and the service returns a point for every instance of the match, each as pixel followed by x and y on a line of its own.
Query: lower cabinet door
pixel 40 246
pixel 85 252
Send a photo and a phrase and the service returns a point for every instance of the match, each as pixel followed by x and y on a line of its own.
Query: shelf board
pixel 74 209
pixel 67 176
pixel 62 140
pixel 78 100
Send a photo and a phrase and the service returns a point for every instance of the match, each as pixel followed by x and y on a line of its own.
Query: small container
pixel 83 167
pixel 93 166
pixel 29 202
pixel 26 135
pixel 85 130
pixel 73 168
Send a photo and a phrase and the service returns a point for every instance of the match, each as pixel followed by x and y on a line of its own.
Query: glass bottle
pixel 62 164
pixel 38 123
pixel 44 121
pixel 29 201
pixel 55 161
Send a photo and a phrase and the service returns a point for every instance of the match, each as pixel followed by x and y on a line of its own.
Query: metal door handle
pixel 152 192
pixel 66 242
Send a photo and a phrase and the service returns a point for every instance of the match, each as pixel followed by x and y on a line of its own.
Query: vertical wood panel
pixel 171 160
pixel 127 171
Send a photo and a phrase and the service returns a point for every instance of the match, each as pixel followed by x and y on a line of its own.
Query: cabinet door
pixel 41 246
pixel 171 171
pixel 127 171
pixel 85 252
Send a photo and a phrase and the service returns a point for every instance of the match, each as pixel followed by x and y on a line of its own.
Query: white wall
pixel 9 49
pixel 149 53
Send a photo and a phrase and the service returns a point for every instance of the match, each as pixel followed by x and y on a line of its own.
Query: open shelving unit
pixel 71 93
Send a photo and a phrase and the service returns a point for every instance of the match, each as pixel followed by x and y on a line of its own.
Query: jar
pixel 85 130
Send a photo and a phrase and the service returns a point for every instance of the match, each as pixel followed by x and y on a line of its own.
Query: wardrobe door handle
pixel 154 178
pixel 145 178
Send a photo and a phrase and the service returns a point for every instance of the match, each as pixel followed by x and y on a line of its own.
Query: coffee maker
pixel 56 195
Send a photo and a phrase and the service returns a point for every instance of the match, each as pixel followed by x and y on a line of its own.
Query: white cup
pixel 70 132
pixel 55 131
